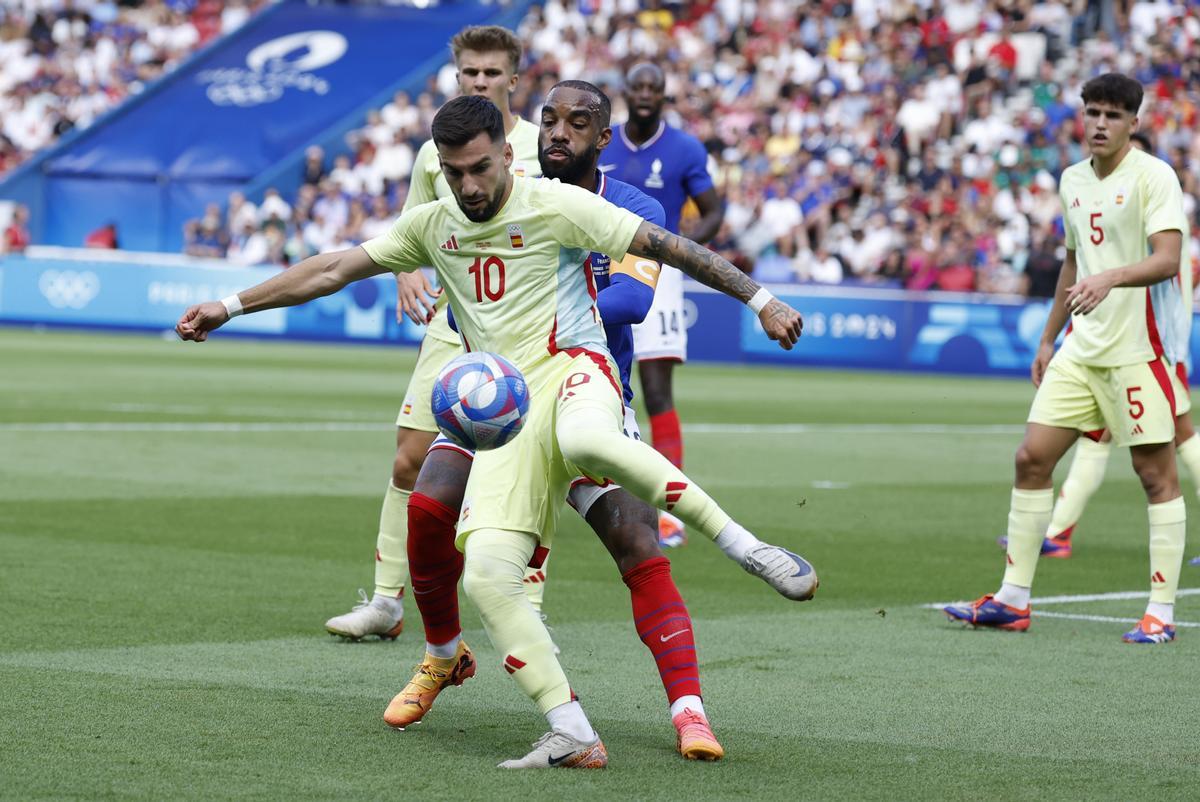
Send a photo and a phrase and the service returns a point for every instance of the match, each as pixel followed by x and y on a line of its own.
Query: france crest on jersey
pixel 670 167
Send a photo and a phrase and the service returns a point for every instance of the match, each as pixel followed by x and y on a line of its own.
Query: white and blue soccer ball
pixel 480 400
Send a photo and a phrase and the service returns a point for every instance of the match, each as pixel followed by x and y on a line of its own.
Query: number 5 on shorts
pixel 1136 408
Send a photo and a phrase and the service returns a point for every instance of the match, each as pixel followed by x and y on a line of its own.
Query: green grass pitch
pixel 177 521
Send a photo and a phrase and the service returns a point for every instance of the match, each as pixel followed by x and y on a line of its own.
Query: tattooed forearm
pixel 655 242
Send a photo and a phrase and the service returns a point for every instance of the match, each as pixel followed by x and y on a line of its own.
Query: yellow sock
pixel 535 584
pixel 1168 530
pixel 1189 454
pixel 495 562
pixel 1083 480
pixel 1028 516
pixel 391 545
pixel 591 438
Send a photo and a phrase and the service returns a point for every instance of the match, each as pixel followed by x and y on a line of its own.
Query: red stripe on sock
pixel 664 625
pixel 667 437
pixel 435 566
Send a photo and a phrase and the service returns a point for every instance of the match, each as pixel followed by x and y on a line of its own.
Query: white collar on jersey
pixel 662 127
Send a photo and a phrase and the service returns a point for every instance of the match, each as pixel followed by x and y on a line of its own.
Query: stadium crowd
pixel 901 144
pixel 66 62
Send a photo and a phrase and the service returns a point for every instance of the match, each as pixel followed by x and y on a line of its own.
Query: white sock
pixel 569 719
pixel 1163 612
pixel 735 540
pixel 692 703
pixel 443 650
pixel 1013 596
pixel 390 603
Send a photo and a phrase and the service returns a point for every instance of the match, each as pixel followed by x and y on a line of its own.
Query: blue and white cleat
pixel 987 612
pixel 791 575
pixel 1150 630
pixel 1057 547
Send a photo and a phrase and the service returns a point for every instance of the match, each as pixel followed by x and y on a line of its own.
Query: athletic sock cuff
pixel 433 508
pixel 646 570
pixel 1033 500
pixel 1168 512
pixel 1093 449
pixel 1191 444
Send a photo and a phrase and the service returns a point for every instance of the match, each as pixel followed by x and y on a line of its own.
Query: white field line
pixel 1104 619
pixel 366 426
pixel 1083 599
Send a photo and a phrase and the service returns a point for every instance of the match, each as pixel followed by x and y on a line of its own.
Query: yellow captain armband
pixel 639 268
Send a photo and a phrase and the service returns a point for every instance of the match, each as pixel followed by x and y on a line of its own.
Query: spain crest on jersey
pixel 1121 193
pixel 515 236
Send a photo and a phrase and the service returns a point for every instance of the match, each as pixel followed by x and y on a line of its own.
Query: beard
pixel 570 172
pixel 489 209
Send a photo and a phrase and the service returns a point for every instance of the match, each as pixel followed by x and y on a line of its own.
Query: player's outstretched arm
pixel 314 277
pixel 1055 322
pixel 779 321
pixel 1161 264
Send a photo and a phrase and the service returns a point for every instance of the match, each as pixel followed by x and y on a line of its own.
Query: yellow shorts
pixel 1136 403
pixel 440 345
pixel 521 485
pixel 1183 395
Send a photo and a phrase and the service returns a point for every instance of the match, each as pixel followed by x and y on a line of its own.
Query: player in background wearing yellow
pixel 487 58
pixel 1091 452
pixel 511 254
pixel 670 166
pixel 1124 221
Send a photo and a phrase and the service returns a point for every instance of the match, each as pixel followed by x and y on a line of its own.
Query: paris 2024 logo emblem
pixel 287 62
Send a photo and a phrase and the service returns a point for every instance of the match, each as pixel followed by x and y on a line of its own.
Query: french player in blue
pixel 574 130
pixel 672 167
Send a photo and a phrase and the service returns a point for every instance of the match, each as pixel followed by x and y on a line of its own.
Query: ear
pixel 604 139
pixel 508 156
pixel 512 83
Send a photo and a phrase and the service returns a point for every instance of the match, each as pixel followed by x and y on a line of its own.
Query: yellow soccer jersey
pixel 519 283
pixel 427 184
pixel 1108 223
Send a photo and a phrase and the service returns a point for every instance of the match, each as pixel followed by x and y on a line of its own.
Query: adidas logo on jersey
pixel 450 244
pixel 1075 205
pixel 1137 429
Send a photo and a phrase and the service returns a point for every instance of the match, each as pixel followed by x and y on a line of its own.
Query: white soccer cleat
pixel 791 575
pixel 378 616
pixel 557 750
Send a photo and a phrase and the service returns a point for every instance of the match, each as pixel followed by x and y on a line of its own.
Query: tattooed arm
pixel 779 321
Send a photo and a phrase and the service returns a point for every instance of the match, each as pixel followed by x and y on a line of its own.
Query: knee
pixel 580 445
pixel 1158 483
pixel 1032 466
pixel 633 544
pixel 406 467
pixel 488 581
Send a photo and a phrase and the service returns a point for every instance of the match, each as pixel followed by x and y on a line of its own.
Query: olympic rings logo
pixel 67 289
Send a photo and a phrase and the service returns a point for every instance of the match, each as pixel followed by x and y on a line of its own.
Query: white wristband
pixel 233 306
pixel 760 299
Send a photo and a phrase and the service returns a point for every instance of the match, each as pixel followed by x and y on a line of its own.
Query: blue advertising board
pixel 843 328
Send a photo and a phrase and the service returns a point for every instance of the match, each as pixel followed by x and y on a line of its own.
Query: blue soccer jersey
pixel 625 290
pixel 670 167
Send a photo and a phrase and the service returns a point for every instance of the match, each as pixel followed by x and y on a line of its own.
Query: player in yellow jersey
pixel 1092 451
pixel 1124 221
pixel 487 58
pixel 511 253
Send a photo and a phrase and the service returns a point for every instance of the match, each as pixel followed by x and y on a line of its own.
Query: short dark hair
pixel 488 39
pixel 1143 140
pixel 1114 89
pixel 594 91
pixel 466 117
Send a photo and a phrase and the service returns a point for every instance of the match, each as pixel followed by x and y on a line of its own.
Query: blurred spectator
pixel 16 234
pixel 103 237
pixel 67 62
pixel 314 165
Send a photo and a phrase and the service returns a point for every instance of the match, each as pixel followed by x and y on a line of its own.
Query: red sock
pixel 435 566
pixel 664 625
pixel 667 437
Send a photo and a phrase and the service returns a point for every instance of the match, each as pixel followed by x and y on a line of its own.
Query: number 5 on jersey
pixel 489 278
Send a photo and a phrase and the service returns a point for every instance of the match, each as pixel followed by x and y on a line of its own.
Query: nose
pixel 559 132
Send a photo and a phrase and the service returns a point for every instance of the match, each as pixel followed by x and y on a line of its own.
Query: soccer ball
pixel 480 401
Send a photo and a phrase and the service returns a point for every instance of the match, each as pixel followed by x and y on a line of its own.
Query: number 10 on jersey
pixel 489 278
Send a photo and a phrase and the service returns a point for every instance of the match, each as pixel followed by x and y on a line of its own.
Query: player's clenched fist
pixel 781 323
pixel 200 319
